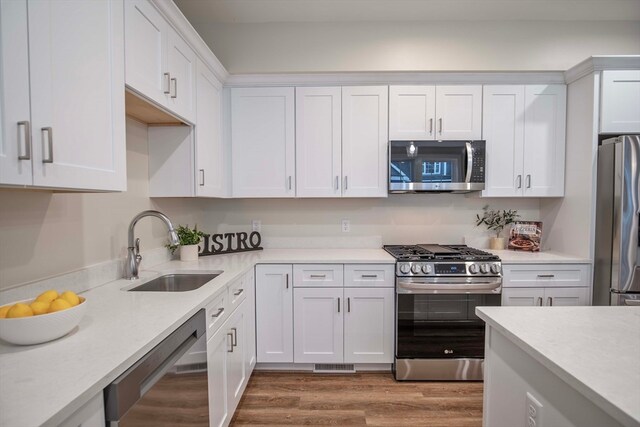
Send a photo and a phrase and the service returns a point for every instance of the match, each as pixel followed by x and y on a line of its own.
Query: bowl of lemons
pixel 48 317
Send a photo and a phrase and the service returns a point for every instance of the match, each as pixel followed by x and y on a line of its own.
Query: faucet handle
pixel 137 249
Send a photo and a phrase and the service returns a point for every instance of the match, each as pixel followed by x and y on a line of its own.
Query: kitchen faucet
pixel 133 251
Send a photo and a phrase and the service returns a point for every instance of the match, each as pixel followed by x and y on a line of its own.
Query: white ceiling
pixel 262 11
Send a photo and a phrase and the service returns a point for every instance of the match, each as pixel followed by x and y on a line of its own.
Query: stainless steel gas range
pixel 438 287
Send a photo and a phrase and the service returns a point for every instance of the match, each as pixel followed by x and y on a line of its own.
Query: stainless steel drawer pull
pixel 318 276
pixel 27 141
pixel 220 311
pixel 234 337
pixel 546 276
pixel 49 133
pixel 338 305
pixel 202 177
pixel 369 276
pixel 540 301
pixel 549 301
pixel 229 334
pixel 175 88
pixel 348 305
pixel 238 292
pixel 167 83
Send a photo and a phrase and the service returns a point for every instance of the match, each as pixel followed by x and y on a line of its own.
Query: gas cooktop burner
pixel 434 252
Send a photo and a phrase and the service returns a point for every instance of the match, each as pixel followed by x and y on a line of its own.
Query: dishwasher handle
pixel 129 387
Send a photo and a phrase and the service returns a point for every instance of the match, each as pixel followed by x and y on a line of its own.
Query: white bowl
pixel 41 328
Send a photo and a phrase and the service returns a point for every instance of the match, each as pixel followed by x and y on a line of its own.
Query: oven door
pixel 441 325
pixel 436 166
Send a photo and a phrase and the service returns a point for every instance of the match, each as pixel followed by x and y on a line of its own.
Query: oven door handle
pixel 469 162
pixel 450 286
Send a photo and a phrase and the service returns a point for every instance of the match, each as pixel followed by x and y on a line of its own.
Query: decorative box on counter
pixel 525 236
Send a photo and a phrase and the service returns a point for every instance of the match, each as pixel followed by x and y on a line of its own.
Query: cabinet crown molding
pixel 601 62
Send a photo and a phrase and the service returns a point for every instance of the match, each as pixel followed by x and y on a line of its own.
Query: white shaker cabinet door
pixel 503 129
pixel 76 54
pixel 318 142
pixel 146 33
pixel 527 297
pixel 459 112
pixel 412 111
pixel 274 313
pixel 262 141
pixel 236 328
pixel 620 106
pixel 181 64
pixel 318 320
pixel 369 325
pixel 566 296
pixel 15 117
pixel 218 347
pixel 364 141
pixel 544 140
pixel 209 150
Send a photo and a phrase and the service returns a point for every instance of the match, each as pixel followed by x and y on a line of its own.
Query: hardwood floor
pixel 373 399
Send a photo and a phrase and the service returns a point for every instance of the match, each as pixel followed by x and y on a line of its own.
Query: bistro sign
pixel 227 243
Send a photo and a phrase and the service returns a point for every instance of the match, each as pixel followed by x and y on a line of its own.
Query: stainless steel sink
pixel 178 282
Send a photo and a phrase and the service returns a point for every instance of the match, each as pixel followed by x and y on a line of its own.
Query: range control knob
pixel 484 268
pixel 495 268
pixel 473 269
pixel 427 269
pixel 415 268
pixel 405 268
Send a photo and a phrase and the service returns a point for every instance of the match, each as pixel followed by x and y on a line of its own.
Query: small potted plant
pixel 496 220
pixel 189 239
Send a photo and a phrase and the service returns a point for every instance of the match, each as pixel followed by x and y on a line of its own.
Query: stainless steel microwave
pixel 436 166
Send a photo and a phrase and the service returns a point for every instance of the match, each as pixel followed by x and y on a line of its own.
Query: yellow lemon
pixel 40 307
pixel 71 298
pixel 4 310
pixel 48 296
pixel 19 310
pixel 58 305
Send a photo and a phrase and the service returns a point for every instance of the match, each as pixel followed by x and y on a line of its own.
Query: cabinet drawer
pixel 565 275
pixel 217 312
pixel 318 275
pixel 237 293
pixel 369 275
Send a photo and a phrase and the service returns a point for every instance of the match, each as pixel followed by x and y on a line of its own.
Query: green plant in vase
pixel 496 221
pixel 189 239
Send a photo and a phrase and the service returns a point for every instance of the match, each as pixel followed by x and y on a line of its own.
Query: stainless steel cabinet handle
pixel 337 183
pixel 167 81
pixel 338 304
pixel 202 177
pixel 540 301
pixel 519 181
pixel 369 276
pixel 234 337
pixel 348 305
pixel 549 301
pixel 220 311
pixel 49 133
pixel 318 276
pixel 440 125
pixel 229 334
pixel 238 292
pixel 286 278
pixel 430 126
pixel 27 141
pixel 289 182
pixel 346 182
pixel 175 87
pixel 546 276
pixel 528 181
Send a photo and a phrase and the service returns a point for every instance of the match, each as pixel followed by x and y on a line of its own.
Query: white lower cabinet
pixel 217 367
pixel 545 296
pixel 236 330
pixel 91 414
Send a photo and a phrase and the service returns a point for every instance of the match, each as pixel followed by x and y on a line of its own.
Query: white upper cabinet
pixel 160 65
pixel 318 142
pixel 620 106
pixel 459 112
pixel 524 127
pixel 15 118
pixel 412 112
pixel 364 141
pixel 76 82
pixel 262 140
pixel 210 161
pixel 544 140
pixel 503 129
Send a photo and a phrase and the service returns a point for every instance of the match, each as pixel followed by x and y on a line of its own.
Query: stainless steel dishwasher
pixel 160 389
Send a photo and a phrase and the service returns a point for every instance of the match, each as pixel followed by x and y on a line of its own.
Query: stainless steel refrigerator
pixel 617 256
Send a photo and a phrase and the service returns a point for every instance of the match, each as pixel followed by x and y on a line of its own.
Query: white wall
pixel 44 234
pixel 389 46
pixel 398 219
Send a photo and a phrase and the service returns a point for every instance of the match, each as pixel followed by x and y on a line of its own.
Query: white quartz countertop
pixel 44 384
pixel 595 350
pixel 544 257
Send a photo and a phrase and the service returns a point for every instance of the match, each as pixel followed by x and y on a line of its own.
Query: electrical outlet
pixel 346 225
pixel 256 225
pixel 533 415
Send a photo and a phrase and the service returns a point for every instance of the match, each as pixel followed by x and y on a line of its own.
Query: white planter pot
pixel 497 243
pixel 189 253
